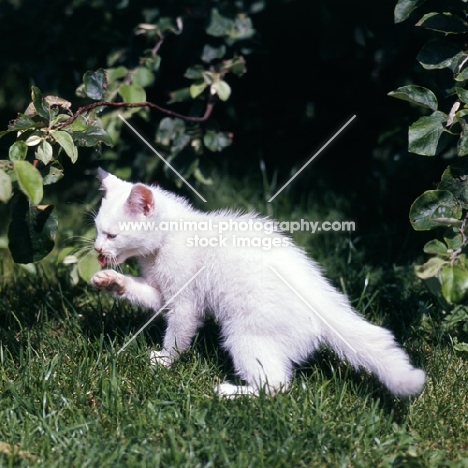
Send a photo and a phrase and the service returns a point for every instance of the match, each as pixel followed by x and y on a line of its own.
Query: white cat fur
pixel 266 325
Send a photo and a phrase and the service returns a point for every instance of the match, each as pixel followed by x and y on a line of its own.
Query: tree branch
pixel 81 110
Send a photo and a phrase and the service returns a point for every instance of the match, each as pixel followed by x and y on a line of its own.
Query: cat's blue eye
pixel 111 236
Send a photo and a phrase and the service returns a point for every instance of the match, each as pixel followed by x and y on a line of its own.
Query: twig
pixel 81 110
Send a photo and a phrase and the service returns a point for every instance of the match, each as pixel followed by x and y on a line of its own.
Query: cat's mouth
pixel 102 259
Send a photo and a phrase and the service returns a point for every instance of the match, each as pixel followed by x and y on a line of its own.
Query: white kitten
pixel 273 305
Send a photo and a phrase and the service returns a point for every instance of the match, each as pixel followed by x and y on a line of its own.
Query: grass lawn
pixel 68 400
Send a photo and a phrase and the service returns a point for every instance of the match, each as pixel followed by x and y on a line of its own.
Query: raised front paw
pixel 109 281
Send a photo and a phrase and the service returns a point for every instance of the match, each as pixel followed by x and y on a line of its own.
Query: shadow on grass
pixel 33 307
pixel 326 366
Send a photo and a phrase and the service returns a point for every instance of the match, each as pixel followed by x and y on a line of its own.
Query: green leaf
pixel 180 142
pixel 143 77
pixel 417 95
pixel 463 75
pixel 5 186
pixel 95 83
pixel 153 63
pixel 430 269
pixel 23 122
pixel 32 230
pixel 59 119
pixel 210 77
pixel 41 106
pixel 180 95
pixel 446 23
pixel 404 8
pixel 44 152
pixel 169 129
pixel 424 134
pixel 211 53
pixel 167 24
pixel 29 180
pixel 194 73
pixel 461 117
pixel 54 174
pixel 453 238
pixel 117 73
pixel 79 124
pixel 431 208
pixel 92 136
pixel 455 180
pixel 88 266
pixel 458 315
pixel 197 88
pixel 65 140
pixel 9 168
pixel 462 146
pixel 223 90
pixel 462 94
pixel 238 29
pixel 235 65
pixel 463 347
pixel 217 141
pixel 132 93
pixel 35 138
pixel 18 151
pixel 435 247
pixel 219 25
pixel 66 256
pixel 243 28
pixel 440 54
pixel 80 91
pixel 454 281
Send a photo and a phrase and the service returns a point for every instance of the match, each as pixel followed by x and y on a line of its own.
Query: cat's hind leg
pixel 260 363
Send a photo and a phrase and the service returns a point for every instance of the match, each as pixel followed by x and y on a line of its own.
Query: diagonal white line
pixel 160 310
pixel 312 158
pixel 312 309
pixel 160 157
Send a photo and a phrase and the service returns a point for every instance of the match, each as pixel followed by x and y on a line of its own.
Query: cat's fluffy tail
pixel 373 347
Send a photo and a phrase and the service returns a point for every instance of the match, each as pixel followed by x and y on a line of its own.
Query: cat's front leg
pixel 136 290
pixel 183 322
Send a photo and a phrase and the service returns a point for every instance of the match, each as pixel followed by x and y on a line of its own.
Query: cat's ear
pixel 140 200
pixel 108 181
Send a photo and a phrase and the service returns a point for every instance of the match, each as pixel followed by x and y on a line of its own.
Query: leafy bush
pixel 443 132
pixel 49 130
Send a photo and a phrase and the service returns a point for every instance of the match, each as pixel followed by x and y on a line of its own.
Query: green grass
pixel 67 398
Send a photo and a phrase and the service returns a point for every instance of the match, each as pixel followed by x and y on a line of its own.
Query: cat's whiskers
pixel 89 210
pixel 87 251
pixel 112 262
pixel 81 244
pixel 89 213
pixel 83 239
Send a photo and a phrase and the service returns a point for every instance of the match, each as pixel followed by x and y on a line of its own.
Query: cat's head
pixel 125 206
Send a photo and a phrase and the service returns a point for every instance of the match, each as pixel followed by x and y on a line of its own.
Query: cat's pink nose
pixel 97 249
